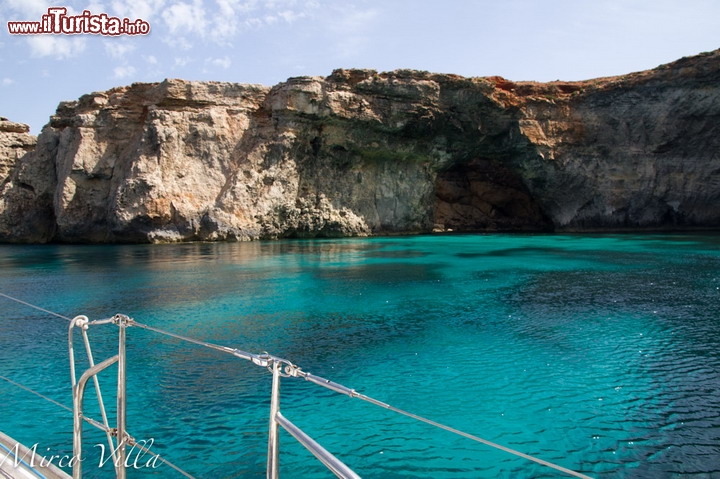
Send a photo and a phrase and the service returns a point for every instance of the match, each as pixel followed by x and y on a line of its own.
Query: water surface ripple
pixel 599 353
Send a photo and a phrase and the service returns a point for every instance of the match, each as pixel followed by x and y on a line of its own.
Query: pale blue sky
pixel 267 41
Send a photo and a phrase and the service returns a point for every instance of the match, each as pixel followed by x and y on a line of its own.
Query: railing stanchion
pixel 78 395
pixel 273 466
pixel 121 399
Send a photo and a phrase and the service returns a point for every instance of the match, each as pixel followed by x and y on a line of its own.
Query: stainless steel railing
pixel 278 367
pixel 117 450
pixel 277 419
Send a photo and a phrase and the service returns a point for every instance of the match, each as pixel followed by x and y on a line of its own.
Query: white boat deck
pixel 17 461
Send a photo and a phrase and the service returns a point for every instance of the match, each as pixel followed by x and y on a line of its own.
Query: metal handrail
pixel 78 396
pixel 331 462
pixel 118 451
pixel 335 465
pixel 280 368
pixel 83 323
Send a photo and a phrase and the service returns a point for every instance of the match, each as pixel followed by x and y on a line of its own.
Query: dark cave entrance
pixel 485 195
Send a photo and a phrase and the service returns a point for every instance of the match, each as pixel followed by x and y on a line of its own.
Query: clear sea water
pixel 600 353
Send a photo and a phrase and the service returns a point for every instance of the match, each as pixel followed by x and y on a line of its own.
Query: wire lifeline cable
pixel 35 307
pixel 259 359
pixel 297 372
pixel 67 408
pixel 35 393
pixel 98 425
pixel 89 420
pixel 472 437
pixel 266 359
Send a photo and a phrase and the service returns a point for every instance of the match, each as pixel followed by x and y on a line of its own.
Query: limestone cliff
pixel 19 218
pixel 361 152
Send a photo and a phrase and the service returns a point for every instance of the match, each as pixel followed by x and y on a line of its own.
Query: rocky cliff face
pixel 361 152
pixel 19 217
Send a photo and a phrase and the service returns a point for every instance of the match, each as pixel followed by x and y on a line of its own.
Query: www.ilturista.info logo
pixel 57 21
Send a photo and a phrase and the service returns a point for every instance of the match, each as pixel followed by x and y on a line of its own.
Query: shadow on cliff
pixel 485 195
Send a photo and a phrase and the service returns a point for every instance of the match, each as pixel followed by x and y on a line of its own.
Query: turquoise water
pixel 599 353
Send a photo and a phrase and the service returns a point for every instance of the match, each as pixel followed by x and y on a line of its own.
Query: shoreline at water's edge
pixel 575 232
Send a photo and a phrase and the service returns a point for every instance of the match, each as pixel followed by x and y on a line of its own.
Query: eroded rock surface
pixel 361 152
